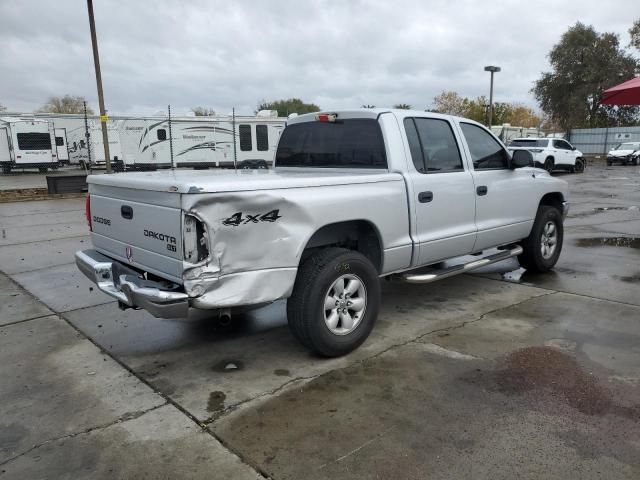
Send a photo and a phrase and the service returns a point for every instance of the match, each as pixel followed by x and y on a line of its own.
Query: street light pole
pixel 493 69
pixel 96 62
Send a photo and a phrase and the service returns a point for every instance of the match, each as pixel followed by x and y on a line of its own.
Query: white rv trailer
pixel 89 152
pixel 61 145
pixel 27 143
pixel 200 142
pixel 507 132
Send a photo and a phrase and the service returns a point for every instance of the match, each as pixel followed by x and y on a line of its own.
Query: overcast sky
pixel 336 53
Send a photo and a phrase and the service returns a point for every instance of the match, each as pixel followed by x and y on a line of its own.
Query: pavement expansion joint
pixel 124 418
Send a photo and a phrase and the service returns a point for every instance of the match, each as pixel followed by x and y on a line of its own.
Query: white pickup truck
pixel 355 195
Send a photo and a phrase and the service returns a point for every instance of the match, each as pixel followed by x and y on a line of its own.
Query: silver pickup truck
pixel 355 195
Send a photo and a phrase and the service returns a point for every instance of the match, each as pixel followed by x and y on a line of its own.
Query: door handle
pixel 126 211
pixel 482 190
pixel 425 197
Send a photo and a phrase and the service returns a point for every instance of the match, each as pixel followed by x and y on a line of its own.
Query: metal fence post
pixel 170 139
pixel 87 135
pixel 233 122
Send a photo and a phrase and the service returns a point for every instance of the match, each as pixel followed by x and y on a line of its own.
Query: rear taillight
pixel 196 240
pixel 87 209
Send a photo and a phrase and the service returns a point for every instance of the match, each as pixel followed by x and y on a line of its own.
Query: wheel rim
pixel 344 304
pixel 549 240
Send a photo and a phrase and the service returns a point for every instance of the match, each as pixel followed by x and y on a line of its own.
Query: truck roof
pixel 372 113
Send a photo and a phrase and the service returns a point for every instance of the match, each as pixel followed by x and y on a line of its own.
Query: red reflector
pixel 18 156
pixel 53 156
pixel 87 209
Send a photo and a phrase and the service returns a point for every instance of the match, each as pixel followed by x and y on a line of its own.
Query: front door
pixel 506 200
pixel 443 190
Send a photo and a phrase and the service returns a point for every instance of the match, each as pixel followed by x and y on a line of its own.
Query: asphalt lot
pixel 499 374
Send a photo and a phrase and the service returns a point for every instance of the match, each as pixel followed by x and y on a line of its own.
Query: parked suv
pixel 625 153
pixel 551 153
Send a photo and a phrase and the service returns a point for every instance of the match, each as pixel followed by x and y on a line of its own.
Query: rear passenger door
pixel 443 190
pixel 506 200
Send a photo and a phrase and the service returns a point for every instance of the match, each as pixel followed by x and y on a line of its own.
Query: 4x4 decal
pixel 238 219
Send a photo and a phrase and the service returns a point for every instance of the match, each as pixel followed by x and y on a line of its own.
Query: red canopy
pixel 627 93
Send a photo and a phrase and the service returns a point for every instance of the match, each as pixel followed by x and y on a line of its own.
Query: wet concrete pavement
pixel 500 374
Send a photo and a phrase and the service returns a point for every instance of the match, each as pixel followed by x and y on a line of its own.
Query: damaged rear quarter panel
pixel 253 231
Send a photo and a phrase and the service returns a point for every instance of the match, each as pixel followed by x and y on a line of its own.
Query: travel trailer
pixel 89 152
pixel 506 132
pixel 200 143
pixel 27 143
pixel 61 145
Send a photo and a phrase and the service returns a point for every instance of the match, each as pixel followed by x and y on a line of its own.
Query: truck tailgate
pixel 143 235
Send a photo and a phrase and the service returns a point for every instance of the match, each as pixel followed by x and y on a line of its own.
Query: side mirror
pixel 573 148
pixel 521 158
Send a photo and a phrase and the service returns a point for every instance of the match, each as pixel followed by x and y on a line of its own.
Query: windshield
pixel 353 143
pixel 526 142
pixel 628 146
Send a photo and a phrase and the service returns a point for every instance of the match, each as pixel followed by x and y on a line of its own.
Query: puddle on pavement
pixel 606 209
pixel 216 401
pixel 593 211
pixel 553 376
pixel 629 242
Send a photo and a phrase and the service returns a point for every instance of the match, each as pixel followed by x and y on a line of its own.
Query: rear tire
pixel 43 169
pixel 6 169
pixel 549 164
pixel 542 247
pixel 335 301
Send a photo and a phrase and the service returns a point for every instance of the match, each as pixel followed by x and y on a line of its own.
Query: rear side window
pixel 162 134
pixel 486 152
pixel 245 137
pixel 262 138
pixel 34 141
pixel 433 147
pixel 350 143
pixel 59 142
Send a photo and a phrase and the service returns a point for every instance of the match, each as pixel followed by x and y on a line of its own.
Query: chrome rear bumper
pixel 129 288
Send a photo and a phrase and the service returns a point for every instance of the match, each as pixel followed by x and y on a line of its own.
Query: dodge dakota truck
pixel 355 195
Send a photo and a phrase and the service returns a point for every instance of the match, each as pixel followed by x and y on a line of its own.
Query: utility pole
pixel 492 69
pixel 96 62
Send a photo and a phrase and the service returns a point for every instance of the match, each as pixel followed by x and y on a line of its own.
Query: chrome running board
pixel 461 268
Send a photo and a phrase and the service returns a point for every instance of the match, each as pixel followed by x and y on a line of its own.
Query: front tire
pixel 335 301
pixel 578 167
pixel 541 249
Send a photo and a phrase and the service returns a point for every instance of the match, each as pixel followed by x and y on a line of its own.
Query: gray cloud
pixel 334 53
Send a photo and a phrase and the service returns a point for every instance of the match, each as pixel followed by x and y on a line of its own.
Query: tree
pixel 584 64
pixel 523 116
pixel 368 106
pixel 402 106
pixel 634 31
pixel 288 106
pixel 66 104
pixel 450 103
pixel 203 112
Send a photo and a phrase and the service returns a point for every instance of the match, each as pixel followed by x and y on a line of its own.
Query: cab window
pixel 433 146
pixel 486 152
